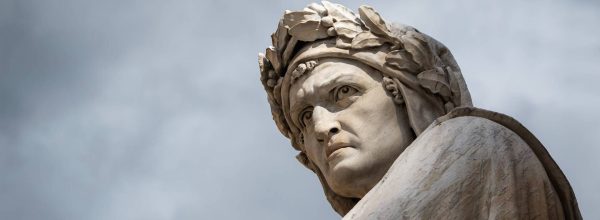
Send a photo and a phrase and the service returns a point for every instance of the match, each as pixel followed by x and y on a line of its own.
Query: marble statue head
pixel 352 91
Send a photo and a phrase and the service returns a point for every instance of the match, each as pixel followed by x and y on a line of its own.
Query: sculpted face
pixel 352 129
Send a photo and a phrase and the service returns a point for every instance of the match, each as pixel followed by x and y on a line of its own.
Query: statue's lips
pixel 331 148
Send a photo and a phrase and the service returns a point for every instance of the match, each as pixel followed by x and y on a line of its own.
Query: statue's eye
pixel 306 117
pixel 344 92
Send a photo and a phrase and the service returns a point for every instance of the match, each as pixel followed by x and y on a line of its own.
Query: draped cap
pixel 428 77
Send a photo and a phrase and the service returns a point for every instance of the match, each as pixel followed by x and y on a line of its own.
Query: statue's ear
pixel 422 109
pixel 392 86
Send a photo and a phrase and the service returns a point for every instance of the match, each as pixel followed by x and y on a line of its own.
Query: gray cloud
pixel 153 110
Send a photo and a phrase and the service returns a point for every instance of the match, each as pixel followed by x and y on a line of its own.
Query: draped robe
pixel 471 164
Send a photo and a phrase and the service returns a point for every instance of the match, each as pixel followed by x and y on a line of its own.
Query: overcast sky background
pixel 148 109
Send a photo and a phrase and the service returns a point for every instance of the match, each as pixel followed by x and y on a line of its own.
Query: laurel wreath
pixel 410 51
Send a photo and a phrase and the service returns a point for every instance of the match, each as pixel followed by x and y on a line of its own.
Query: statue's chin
pixel 349 178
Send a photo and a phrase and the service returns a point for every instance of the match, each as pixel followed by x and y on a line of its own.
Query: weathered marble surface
pixel 466 167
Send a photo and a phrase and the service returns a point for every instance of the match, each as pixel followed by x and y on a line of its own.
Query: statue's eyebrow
pixel 340 77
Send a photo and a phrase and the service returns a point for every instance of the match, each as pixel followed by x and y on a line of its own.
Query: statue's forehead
pixel 315 80
pixel 327 74
pixel 329 69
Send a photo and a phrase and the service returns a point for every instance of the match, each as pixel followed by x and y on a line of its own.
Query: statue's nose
pixel 326 123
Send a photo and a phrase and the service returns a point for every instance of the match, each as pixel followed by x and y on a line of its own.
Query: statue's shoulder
pixel 469 123
pixel 470 127
pixel 555 174
pixel 448 170
pixel 495 119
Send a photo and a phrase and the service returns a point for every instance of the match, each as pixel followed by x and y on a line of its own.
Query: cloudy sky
pixel 147 109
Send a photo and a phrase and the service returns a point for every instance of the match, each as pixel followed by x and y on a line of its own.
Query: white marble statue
pixel 381 113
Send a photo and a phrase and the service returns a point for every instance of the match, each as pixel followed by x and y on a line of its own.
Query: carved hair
pixel 418 70
pixel 303 68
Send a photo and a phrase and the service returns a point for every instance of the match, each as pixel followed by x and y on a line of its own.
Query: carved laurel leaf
pixel 292 18
pixel 367 39
pixel 418 49
pixel 263 63
pixel 373 20
pixel 339 12
pixel 318 8
pixel 273 57
pixel 309 30
pixel 344 43
pixel 309 10
pixel 288 50
pixel 401 60
pixel 346 28
pixel 435 81
pixel 280 37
